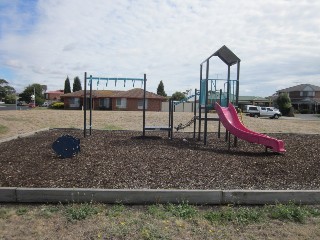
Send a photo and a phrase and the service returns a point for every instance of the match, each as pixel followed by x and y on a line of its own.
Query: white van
pixel 252 111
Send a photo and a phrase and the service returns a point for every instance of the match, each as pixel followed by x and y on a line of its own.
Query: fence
pixel 181 107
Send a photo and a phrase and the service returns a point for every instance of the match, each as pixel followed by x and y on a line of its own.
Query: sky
pixel 44 41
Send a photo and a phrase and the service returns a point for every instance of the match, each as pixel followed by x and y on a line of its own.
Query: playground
pixel 227 154
pixel 120 159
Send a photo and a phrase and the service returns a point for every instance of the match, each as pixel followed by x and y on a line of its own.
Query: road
pixel 12 107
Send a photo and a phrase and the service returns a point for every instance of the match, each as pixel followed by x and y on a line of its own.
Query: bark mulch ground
pixel 121 159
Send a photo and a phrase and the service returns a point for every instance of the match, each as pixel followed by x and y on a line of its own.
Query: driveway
pixel 308 116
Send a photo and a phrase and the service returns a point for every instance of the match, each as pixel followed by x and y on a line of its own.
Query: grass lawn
pixel 182 221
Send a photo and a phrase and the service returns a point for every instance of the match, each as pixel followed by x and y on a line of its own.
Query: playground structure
pixel 223 102
pixel 143 81
pixel 229 58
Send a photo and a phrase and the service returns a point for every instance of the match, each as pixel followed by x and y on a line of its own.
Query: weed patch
pixel 184 210
pixel 158 211
pixel 116 210
pixel 22 211
pixel 3 129
pixel 80 211
pixel 290 212
pixel 4 213
pixel 48 211
pixel 241 215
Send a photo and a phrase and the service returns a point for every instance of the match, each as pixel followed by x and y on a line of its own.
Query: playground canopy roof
pixel 226 55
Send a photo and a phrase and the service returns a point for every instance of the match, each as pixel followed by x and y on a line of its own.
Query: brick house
pixel 131 100
pixel 304 97
pixel 52 96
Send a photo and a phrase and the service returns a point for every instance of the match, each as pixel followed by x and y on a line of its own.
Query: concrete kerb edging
pixel 153 196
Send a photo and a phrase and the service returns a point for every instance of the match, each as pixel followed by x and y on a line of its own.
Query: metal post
pixel 206 106
pixel 172 123
pixel 199 128
pixel 169 123
pixel 85 106
pixel 237 96
pixel 228 86
pixel 219 124
pixel 171 120
pixel 90 104
pixel 144 105
pixel 237 83
pixel 228 96
pixel 195 113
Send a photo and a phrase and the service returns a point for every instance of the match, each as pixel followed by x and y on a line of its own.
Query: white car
pixel 45 104
pixel 270 112
pixel 257 111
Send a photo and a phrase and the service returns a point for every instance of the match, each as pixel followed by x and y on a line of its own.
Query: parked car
pixel 252 111
pixel 45 104
pixel 270 112
pixel 22 103
pixel 257 111
pixel 31 105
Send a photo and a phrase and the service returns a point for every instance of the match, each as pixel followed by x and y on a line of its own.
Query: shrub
pixel 57 105
pixel 284 103
pixel 304 111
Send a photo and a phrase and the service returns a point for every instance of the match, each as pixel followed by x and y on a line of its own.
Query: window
pixel 105 102
pixel 140 104
pixel 121 103
pixel 307 94
pixel 74 102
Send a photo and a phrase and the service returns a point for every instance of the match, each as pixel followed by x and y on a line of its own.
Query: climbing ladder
pixel 183 126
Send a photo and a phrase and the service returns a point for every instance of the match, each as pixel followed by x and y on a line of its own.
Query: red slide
pixel 230 120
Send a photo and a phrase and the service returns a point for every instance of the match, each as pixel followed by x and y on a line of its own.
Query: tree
pixel 178 96
pixel 5 90
pixel 76 84
pixel 67 88
pixel 160 89
pixel 30 90
pixel 284 103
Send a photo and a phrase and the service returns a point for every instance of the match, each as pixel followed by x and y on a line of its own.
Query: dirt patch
pixel 20 122
pixel 119 159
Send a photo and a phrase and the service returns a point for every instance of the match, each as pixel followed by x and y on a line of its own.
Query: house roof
pixel 133 93
pixel 56 92
pixel 137 93
pixel 252 98
pixel 299 88
pixel 95 93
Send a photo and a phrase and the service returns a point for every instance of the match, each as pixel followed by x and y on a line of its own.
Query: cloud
pixel 277 41
pixel 12 63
